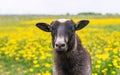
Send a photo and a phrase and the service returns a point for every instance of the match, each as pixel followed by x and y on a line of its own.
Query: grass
pixel 26 50
pixel 110 28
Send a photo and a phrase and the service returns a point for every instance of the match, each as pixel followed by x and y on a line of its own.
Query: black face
pixel 62 32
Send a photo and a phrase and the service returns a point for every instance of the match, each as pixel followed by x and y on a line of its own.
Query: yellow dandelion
pixel 36 65
pixel 39 74
pixel 35 61
pixel 1 70
pixel 94 74
pixel 47 65
pixel 97 66
pixel 7 73
pixel 31 69
pixel 18 69
pixel 0 66
pixel 24 71
pixel 113 72
pixel 17 59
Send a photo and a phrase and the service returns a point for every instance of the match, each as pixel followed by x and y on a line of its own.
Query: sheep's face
pixel 62 31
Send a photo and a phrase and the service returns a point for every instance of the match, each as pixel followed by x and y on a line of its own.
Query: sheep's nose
pixel 60 45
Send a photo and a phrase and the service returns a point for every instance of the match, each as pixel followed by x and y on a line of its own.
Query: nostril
pixel 62 45
pixel 56 45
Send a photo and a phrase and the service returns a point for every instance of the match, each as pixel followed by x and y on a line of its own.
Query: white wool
pixel 63 20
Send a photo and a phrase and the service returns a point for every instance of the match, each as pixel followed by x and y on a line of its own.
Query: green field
pixel 26 50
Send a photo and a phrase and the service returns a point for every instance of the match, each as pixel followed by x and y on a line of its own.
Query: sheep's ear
pixel 81 24
pixel 44 27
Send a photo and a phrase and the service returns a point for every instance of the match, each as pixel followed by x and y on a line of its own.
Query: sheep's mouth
pixel 59 50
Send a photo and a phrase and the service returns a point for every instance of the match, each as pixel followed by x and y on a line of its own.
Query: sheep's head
pixel 62 31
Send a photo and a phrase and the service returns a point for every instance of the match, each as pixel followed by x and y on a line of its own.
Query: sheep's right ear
pixel 44 27
pixel 81 24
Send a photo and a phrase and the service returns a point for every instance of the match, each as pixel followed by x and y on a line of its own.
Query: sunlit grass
pixel 101 21
pixel 26 50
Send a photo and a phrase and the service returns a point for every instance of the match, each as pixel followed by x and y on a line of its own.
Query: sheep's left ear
pixel 44 26
pixel 81 24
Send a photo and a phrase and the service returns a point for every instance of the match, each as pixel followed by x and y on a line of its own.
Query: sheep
pixel 70 57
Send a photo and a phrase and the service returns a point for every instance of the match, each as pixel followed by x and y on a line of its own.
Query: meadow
pixel 26 50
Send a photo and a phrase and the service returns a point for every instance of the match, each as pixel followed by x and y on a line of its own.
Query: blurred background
pixel 26 50
pixel 53 7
